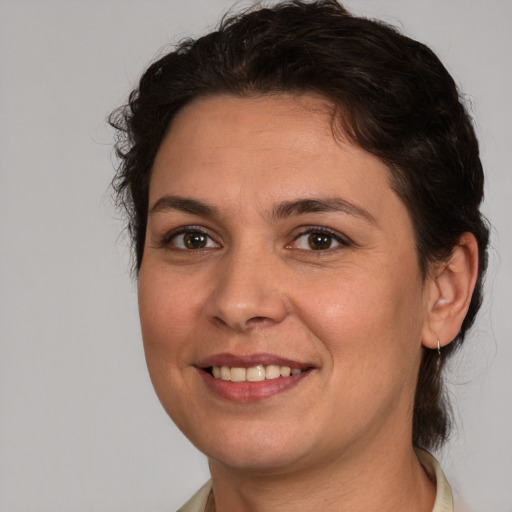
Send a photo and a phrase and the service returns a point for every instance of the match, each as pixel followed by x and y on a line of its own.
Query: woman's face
pixel 275 252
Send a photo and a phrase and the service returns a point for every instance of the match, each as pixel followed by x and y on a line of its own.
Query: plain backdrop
pixel 80 426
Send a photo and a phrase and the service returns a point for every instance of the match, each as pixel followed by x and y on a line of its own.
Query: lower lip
pixel 245 392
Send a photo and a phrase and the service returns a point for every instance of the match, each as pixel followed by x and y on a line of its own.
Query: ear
pixel 451 286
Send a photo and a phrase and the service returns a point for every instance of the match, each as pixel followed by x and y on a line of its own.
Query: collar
pixel 443 503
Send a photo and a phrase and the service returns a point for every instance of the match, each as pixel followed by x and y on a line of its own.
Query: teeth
pixel 272 371
pixel 254 373
pixel 238 374
pixel 285 371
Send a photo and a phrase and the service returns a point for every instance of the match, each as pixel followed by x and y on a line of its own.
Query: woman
pixel 303 190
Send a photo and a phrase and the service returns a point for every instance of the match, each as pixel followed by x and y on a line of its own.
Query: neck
pixel 390 479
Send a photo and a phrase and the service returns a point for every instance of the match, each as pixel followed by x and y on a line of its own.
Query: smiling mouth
pixel 251 378
pixel 256 373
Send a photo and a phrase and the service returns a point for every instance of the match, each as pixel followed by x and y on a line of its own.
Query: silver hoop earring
pixel 438 347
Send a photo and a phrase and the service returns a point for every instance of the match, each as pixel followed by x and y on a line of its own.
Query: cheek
pixel 167 310
pixel 366 318
pixel 168 316
pixel 340 307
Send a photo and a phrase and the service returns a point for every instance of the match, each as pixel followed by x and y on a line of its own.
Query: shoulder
pixel 444 497
pixel 198 502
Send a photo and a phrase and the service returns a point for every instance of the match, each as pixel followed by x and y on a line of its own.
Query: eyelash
pixel 182 231
pixel 341 240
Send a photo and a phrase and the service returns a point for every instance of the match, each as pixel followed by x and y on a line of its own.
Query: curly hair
pixel 391 96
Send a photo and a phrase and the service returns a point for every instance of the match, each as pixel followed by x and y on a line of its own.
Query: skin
pixel 356 313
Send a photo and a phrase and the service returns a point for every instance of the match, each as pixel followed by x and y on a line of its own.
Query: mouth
pixel 256 373
pixel 251 378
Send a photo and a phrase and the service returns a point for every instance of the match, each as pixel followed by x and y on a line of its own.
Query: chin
pixel 254 459
pixel 257 450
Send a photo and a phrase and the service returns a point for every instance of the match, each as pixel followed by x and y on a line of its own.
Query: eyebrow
pixel 331 204
pixel 185 205
pixel 280 211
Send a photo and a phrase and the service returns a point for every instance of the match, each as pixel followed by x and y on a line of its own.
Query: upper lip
pixel 246 361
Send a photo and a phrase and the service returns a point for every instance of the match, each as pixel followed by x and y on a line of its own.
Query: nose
pixel 248 292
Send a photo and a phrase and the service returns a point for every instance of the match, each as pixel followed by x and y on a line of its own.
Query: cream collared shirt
pixel 443 503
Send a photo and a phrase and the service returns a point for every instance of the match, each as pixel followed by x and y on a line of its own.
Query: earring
pixel 438 347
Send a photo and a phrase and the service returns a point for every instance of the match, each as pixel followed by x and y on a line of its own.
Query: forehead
pixel 267 141
pixel 225 123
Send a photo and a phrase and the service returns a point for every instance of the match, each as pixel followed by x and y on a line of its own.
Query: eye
pixel 190 239
pixel 318 239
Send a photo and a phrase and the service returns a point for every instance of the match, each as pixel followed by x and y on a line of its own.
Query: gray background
pixel 80 427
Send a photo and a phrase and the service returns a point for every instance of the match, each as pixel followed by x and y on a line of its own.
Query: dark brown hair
pixel 391 96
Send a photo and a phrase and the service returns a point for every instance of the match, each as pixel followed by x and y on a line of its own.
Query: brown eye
pixel 194 240
pixel 191 240
pixel 319 241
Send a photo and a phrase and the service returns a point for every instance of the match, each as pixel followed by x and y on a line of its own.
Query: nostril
pixel 244 307
pixel 259 320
